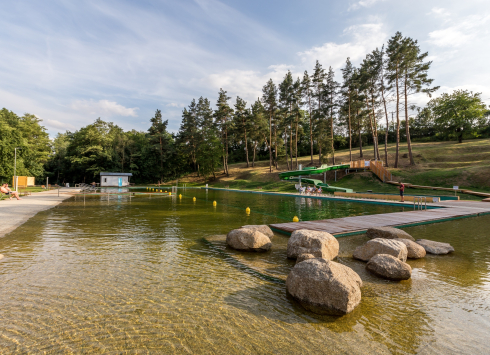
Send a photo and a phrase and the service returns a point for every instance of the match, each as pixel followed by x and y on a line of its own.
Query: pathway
pixel 13 213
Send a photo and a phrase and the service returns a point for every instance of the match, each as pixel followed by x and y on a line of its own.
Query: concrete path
pixel 13 213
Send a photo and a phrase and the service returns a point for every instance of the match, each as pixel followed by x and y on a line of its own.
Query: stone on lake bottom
pixel 414 251
pixel 320 244
pixel 388 233
pixel 381 246
pixel 262 228
pixel 324 287
pixel 248 240
pixel 437 248
pixel 389 267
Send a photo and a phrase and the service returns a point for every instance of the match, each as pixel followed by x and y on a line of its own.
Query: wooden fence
pixel 357 164
pixel 380 171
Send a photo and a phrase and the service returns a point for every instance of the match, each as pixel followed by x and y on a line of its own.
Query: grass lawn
pixel 442 164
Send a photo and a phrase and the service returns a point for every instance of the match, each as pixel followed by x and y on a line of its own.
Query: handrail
pixel 417 202
pixel 380 171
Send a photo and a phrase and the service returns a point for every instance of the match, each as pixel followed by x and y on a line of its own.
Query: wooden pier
pixel 339 227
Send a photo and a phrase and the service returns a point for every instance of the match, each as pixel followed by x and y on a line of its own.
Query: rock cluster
pixel 320 244
pixel 248 240
pixel 324 287
pixel 381 246
pixel 414 251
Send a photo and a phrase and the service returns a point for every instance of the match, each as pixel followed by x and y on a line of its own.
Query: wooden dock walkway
pixel 339 227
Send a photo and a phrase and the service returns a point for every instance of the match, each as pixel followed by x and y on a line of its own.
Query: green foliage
pixel 457 113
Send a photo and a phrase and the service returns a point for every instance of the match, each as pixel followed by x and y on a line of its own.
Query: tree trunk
pixel 291 144
pixel 397 119
pixel 387 125
pixel 371 126
pixel 270 145
pixel 350 134
pixel 460 136
pixel 361 155
pixel 255 148
pixel 311 131
pixel 296 144
pixel 286 147
pixel 275 147
pixel 407 124
pixel 246 149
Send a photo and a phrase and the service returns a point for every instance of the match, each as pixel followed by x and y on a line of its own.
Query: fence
pixel 380 171
pixel 358 164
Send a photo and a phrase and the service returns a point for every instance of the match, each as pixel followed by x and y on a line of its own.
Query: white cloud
pixel 365 38
pixel 461 33
pixel 363 3
pixel 103 108
pixel 173 104
pixel 439 12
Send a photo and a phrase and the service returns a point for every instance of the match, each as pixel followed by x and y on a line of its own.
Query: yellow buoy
pixel 214 203
pixel 170 194
pixel 180 196
pixel 295 219
pixel 247 210
pixel 165 191
pixel 194 199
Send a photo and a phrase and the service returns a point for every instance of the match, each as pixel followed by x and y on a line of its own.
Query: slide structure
pixel 299 175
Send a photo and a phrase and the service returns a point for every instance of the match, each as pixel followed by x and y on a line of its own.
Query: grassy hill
pixel 444 164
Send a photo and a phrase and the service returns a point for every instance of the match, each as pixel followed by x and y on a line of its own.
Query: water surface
pixel 134 276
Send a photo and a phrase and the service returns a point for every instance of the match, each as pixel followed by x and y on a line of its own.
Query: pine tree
pixel 286 102
pixel 414 72
pixel 347 92
pixel 259 126
pixel 241 122
pixel 331 93
pixel 160 138
pixel 223 117
pixel 307 94
pixel 318 80
pixel 269 100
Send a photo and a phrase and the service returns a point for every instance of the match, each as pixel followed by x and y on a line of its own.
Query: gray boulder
pixel 437 248
pixel 388 233
pixel 304 257
pixel 320 244
pixel 262 228
pixel 381 246
pixel 414 251
pixel 389 267
pixel 248 240
pixel 324 287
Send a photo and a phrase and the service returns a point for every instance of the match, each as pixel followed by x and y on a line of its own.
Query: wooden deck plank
pixel 455 209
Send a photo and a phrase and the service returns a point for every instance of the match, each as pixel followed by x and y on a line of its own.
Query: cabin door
pixel 120 182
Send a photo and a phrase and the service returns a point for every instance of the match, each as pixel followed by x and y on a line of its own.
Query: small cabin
pixel 115 179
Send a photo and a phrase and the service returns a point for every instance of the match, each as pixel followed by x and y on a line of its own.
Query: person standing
pixel 402 191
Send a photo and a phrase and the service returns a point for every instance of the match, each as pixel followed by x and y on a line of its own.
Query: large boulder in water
pixel 381 246
pixel 414 251
pixel 320 244
pixel 389 267
pixel 437 248
pixel 388 233
pixel 304 257
pixel 324 287
pixel 262 228
pixel 248 240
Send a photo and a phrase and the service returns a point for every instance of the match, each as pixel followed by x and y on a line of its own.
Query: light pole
pixel 15 167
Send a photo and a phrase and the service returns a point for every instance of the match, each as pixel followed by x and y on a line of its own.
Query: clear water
pixel 123 276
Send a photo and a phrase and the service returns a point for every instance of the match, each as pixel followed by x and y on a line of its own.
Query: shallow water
pixel 123 276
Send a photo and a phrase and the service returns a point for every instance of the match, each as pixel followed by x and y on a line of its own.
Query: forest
pixel 313 115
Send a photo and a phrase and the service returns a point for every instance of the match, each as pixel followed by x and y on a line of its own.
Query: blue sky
pixel 69 62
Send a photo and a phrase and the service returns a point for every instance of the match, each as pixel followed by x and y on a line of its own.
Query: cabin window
pixel 105 179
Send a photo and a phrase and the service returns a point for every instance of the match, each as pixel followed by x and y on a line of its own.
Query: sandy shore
pixel 14 213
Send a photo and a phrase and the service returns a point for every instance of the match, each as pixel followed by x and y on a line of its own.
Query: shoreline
pixel 15 213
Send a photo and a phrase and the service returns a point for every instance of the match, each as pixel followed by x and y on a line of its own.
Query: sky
pixel 70 62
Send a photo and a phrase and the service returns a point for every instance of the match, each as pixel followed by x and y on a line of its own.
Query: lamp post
pixel 15 167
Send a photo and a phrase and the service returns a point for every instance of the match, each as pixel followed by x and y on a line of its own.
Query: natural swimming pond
pixel 129 276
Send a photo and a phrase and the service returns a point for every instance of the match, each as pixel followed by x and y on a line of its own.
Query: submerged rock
pixel 320 244
pixel 262 228
pixel 304 257
pixel 1 256
pixel 381 246
pixel 437 248
pixel 414 251
pixel 248 240
pixel 324 287
pixel 388 233
pixel 389 267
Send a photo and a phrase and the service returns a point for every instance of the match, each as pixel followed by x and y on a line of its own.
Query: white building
pixel 115 179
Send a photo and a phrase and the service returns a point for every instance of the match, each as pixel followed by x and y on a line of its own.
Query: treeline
pixel 312 115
